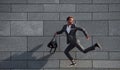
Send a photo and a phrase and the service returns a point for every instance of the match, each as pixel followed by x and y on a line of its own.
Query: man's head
pixel 70 20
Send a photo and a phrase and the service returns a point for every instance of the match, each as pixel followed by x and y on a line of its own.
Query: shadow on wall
pixel 25 63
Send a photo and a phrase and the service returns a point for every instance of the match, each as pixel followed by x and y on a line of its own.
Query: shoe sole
pixel 99 46
pixel 72 65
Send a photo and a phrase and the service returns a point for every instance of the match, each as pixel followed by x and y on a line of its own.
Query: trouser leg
pixel 85 50
pixel 91 48
pixel 67 50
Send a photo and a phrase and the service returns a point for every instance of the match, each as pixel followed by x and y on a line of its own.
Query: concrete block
pixel 34 55
pixel 5 64
pixel 92 8
pixel 67 68
pixel 114 55
pixel 114 69
pixel 4 8
pixel 100 1
pixel 50 27
pixel 75 1
pixel 93 27
pixel 114 16
pixel 13 44
pixel 4 28
pixel 114 28
pixel 19 56
pixel 115 1
pixel 27 8
pixel 77 16
pixel 13 16
pixel 19 64
pixel 114 7
pixel 43 64
pixel 59 55
pixel 26 69
pixel 43 1
pixel 100 69
pixel 4 56
pixel 80 64
pixel 27 28
pixel 4 69
pixel 51 69
pixel 108 43
pixel 52 64
pixel 83 69
pixel 106 16
pixel 106 64
pixel 43 16
pixel 59 8
pixel 101 16
pixel 13 1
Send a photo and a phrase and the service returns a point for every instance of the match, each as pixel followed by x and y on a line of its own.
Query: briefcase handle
pixel 52 50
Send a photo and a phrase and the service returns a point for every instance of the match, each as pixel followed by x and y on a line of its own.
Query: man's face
pixel 70 21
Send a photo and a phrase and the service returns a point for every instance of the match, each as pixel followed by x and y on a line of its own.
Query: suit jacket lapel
pixel 72 26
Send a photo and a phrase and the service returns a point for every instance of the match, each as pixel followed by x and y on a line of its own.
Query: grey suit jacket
pixel 71 36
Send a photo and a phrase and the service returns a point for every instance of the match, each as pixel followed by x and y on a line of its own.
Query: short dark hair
pixel 69 18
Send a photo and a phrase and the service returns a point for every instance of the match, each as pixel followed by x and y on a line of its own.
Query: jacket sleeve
pixel 83 30
pixel 61 31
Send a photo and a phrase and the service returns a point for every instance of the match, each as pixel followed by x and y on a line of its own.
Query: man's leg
pixel 67 50
pixel 91 48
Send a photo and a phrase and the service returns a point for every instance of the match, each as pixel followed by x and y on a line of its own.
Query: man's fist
pixel 88 37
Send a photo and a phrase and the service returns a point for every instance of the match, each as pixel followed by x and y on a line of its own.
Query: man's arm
pixel 84 31
pixel 61 31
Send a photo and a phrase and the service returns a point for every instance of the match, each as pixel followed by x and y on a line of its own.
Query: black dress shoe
pixel 98 45
pixel 73 64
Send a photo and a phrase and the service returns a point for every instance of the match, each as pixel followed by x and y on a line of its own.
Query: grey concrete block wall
pixel 26 27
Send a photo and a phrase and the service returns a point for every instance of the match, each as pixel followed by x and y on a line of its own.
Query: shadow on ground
pixel 25 63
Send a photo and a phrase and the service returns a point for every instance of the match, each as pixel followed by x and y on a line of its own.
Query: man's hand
pixel 88 37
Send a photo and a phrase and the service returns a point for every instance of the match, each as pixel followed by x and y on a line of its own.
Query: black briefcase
pixel 53 45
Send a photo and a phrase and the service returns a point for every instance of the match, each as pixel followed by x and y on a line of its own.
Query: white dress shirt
pixel 68 28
